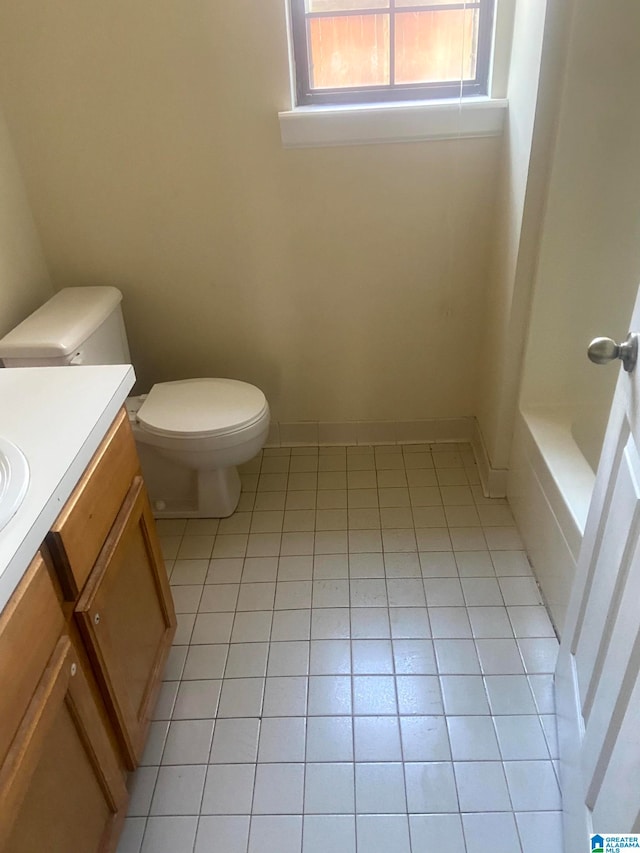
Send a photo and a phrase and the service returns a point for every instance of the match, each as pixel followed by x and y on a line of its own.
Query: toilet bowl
pixel 208 426
pixel 191 434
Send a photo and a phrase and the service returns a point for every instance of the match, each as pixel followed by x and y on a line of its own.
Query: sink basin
pixel 14 480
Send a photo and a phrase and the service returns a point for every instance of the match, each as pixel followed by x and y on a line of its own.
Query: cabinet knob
pixel 74 669
pixel 96 619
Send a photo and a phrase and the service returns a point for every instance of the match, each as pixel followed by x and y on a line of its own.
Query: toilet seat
pixel 201 408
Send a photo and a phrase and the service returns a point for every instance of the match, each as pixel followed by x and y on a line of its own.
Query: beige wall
pixel 539 32
pixel 347 282
pixel 24 280
pixel 589 267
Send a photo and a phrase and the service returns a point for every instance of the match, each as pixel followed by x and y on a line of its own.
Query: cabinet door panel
pixel 81 528
pixel 30 626
pixel 61 787
pixel 127 620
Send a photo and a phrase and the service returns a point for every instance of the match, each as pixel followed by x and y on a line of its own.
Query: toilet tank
pixel 79 325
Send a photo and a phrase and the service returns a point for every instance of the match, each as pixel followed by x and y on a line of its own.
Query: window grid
pixel 391 91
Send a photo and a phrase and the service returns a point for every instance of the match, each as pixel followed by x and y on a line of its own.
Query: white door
pixel 598 672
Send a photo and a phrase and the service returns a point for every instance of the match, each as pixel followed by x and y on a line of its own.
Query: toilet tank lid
pixel 201 407
pixel 62 324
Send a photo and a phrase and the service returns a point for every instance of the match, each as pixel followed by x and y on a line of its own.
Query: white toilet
pixel 191 434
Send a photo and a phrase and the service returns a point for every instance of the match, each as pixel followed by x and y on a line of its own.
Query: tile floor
pixel 362 663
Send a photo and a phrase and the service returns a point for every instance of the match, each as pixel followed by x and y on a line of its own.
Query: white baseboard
pixel 323 433
pixel 493 480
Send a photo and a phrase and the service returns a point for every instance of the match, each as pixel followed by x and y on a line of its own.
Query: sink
pixel 14 480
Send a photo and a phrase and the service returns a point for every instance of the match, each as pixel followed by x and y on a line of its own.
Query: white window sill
pixel 308 127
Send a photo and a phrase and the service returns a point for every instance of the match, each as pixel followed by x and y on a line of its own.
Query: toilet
pixel 191 434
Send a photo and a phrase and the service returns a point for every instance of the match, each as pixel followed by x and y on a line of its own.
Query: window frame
pixel 391 92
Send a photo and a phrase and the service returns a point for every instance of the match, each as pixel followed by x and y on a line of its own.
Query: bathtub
pixel 551 476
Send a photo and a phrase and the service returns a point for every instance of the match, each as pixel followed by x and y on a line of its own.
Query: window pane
pixel 403 3
pixel 345 5
pixel 350 50
pixel 433 47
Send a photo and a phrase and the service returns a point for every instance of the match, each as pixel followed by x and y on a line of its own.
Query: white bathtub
pixel 554 458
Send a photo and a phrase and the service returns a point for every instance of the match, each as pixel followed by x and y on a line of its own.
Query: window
pixel 365 51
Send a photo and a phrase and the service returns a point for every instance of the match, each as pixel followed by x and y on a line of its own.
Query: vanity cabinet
pixel 127 622
pixel 61 785
pixel 83 642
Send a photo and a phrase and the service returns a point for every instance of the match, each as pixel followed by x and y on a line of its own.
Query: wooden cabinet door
pixel 127 620
pixel 61 786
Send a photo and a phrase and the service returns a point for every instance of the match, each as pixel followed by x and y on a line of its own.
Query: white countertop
pixel 57 416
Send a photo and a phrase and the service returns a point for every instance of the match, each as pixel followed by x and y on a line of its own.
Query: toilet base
pixel 179 492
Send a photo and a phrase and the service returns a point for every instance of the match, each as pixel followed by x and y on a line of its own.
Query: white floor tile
pixel 155 743
pixel 322 833
pixel 374 694
pixel 539 655
pixel 419 694
pixel 510 694
pixel 247 660
pixel 533 786
pixel 275 834
pixel 396 595
pixel 330 593
pixel 431 787
pixel 330 657
pixel 235 741
pixel 330 623
pixel 490 623
pixel 293 595
pixel 228 789
pixel 536 825
pixel 330 695
pixel 456 657
pixel 291 625
pixel 380 789
pixel 132 833
pixel 222 834
pixel 295 568
pixel 411 623
pixel 464 694
pixel 197 700
pixel 178 790
pixel 288 658
pixel 170 835
pixel 377 739
pixel 212 628
pixel 491 831
pixel 372 657
pixel 473 739
pixel 482 786
pixel 383 833
pixel 521 737
pixel 206 662
pixel 188 742
pixel 141 787
pixel 424 738
pixel 241 697
pixel 252 627
pixel 329 739
pixel 499 657
pixel 329 789
pixel 330 566
pixel 443 592
pixel 282 739
pixel 446 828
pixel 278 789
pixel 285 696
pixel 450 623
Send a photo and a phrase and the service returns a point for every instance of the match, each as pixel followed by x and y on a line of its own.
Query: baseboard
pixel 493 480
pixel 323 433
